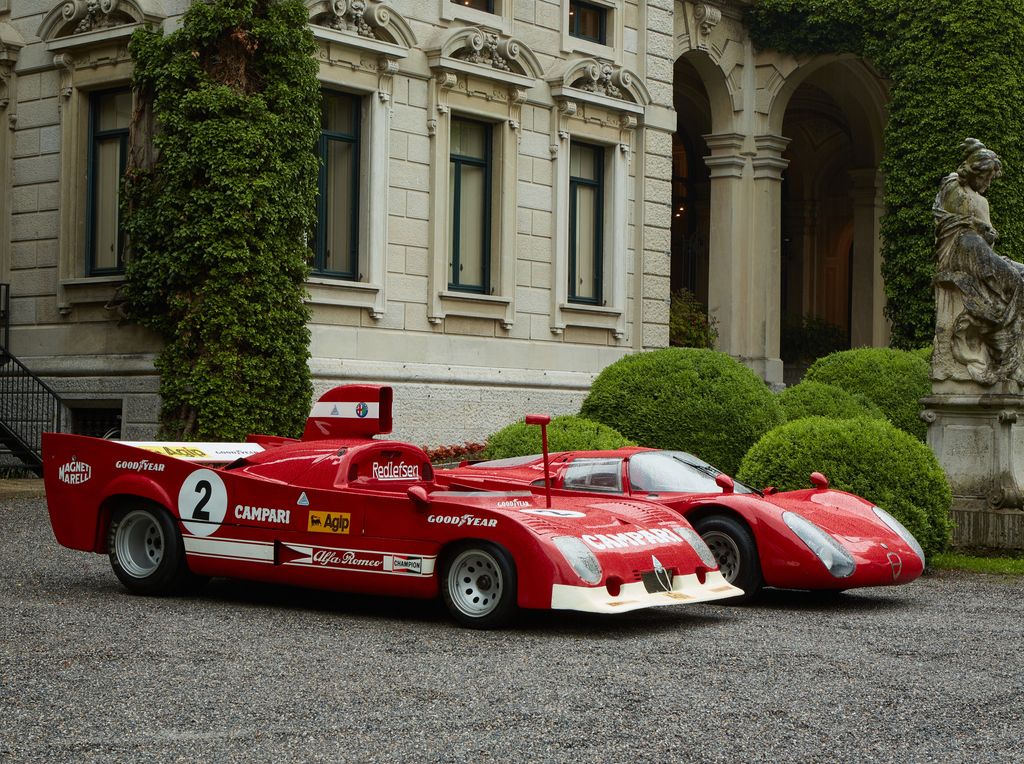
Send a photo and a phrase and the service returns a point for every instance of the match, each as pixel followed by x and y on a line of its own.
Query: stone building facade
pixel 511 191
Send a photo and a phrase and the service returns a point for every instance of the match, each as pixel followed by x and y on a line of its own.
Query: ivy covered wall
pixel 957 70
pixel 218 217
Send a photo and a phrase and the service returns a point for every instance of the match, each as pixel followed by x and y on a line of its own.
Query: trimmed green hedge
pixel 565 433
pixel 689 399
pixel 811 398
pixel 868 457
pixel 894 380
pixel 689 325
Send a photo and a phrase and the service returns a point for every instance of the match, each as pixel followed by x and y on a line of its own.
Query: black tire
pixel 479 585
pixel 146 550
pixel 736 552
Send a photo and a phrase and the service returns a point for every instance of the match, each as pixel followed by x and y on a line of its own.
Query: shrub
pixel 688 323
pixel 868 457
pixel 894 380
pixel 565 433
pixel 818 399
pixel 805 338
pixel 685 398
pixel 454 452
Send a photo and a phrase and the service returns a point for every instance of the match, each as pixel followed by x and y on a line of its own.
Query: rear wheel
pixel 479 585
pixel 146 551
pixel 735 551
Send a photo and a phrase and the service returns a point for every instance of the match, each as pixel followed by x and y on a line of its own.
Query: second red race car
pixel 817 538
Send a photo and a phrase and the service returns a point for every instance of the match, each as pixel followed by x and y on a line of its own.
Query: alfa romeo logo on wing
pixel 362 410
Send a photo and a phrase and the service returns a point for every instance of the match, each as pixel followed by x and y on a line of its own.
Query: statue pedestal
pixel 979 441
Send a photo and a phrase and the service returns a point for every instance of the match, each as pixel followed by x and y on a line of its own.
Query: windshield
pixel 674 472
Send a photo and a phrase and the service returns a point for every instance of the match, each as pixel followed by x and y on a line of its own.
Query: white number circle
pixel 202 502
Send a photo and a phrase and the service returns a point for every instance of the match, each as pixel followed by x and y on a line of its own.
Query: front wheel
pixel 735 551
pixel 146 551
pixel 479 585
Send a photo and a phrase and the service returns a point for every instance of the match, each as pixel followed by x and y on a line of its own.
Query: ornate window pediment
pixel 602 84
pixel 80 17
pixel 10 43
pixel 489 56
pixel 364 24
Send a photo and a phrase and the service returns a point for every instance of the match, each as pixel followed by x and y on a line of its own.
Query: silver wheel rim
pixel 475 583
pixel 726 553
pixel 139 544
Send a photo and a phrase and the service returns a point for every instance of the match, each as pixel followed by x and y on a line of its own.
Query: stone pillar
pixel 765 288
pixel 978 439
pixel 727 239
pixel 744 269
pixel 868 327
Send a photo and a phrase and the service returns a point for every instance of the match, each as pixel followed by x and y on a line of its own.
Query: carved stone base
pixel 979 441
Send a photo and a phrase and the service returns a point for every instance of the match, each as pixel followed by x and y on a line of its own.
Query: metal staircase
pixel 28 407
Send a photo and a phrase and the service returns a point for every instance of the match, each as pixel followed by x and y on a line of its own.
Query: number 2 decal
pixel 203 487
pixel 202 502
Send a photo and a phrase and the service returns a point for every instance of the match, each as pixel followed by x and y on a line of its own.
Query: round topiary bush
pixel 894 380
pixel 689 399
pixel 565 433
pixel 868 457
pixel 818 399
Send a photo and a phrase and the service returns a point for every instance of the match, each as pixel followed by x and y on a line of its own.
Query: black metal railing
pixel 28 406
pixel 5 317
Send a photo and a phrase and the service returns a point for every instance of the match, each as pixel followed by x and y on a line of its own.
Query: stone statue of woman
pixel 979 327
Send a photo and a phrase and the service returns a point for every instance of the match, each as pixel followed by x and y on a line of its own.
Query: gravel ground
pixel 933 671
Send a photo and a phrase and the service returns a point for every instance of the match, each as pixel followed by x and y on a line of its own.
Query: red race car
pixel 341 510
pixel 810 539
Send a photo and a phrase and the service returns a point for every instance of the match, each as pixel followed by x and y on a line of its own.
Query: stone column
pixel 868 327
pixel 744 269
pixel 728 239
pixel 765 286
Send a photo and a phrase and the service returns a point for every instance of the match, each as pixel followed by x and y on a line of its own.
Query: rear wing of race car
pixel 350 411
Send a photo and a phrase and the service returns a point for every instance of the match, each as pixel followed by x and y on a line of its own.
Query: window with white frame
pixel 588 21
pixel 469 206
pixel 593 27
pixel 109 118
pixel 350 246
pixel 336 243
pixel 594 134
pixel 586 223
pixel 475 107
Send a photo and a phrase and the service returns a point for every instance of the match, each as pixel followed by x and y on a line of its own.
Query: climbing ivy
pixel 218 216
pixel 956 71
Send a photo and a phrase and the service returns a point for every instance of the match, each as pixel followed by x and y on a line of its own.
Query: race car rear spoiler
pixel 347 411
pixel 350 411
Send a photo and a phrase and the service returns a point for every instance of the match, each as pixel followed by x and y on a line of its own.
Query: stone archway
pixel 832 199
pixel 740 108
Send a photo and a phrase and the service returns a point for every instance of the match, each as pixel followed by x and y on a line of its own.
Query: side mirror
pixel 819 481
pixel 419 496
pixel 726 483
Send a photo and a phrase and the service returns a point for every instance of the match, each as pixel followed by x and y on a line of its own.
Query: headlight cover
pixel 579 556
pixel 900 530
pixel 832 554
pixel 695 541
